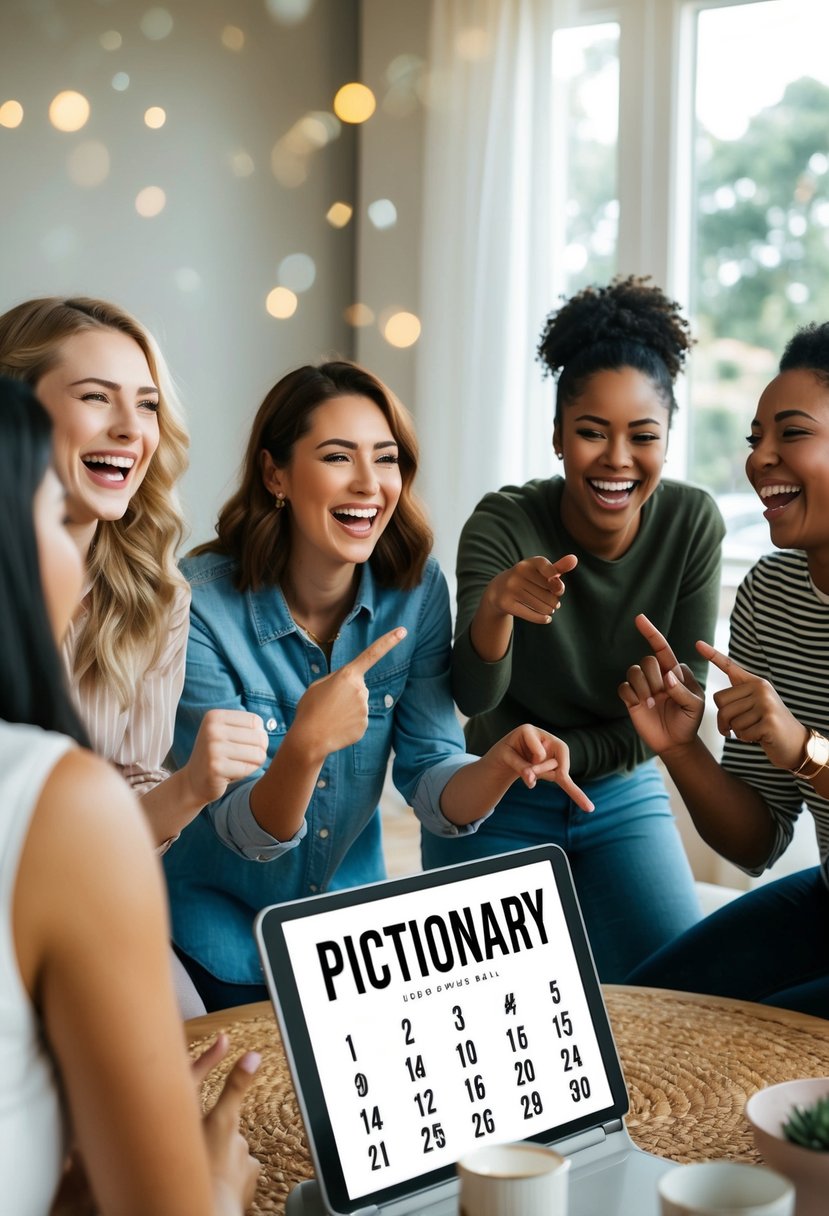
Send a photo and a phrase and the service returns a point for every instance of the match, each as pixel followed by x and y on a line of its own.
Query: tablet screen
pixel 432 1015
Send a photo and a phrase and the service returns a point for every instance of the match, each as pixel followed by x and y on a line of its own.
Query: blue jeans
pixel 770 945
pixel 632 877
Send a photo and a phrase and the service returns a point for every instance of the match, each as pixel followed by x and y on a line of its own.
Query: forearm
pixel 728 813
pixel 490 632
pixel 280 798
pixel 170 806
pixel 475 789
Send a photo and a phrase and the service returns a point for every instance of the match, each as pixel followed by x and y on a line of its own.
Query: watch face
pixel 817 749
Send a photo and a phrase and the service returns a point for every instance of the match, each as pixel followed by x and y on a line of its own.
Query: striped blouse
pixel 780 631
pixel 136 740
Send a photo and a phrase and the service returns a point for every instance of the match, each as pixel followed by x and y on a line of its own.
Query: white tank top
pixel 32 1124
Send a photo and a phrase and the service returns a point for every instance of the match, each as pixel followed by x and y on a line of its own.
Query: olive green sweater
pixel 564 676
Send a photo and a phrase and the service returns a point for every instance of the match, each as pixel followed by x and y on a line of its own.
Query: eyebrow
pixel 606 421
pixel 352 447
pixel 784 414
pixel 147 388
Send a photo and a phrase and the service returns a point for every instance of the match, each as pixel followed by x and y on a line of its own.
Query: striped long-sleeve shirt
pixel 780 631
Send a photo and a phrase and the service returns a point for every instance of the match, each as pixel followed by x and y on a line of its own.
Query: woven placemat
pixel 690 1064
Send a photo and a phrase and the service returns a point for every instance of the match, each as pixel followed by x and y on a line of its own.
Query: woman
pixel 120 448
pixel 80 896
pixel 319 609
pixel 772 944
pixel 522 652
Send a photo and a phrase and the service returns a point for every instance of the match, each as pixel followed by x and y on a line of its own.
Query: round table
pixel 690 1063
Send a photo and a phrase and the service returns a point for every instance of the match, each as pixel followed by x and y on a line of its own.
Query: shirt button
pixel 388 700
pixel 322 783
pixel 324 833
pixel 313 887
pixel 270 724
pixel 315 668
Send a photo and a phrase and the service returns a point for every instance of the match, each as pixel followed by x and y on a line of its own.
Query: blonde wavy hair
pixel 132 563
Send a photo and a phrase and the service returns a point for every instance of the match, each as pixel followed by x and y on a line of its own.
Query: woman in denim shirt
pixel 319 610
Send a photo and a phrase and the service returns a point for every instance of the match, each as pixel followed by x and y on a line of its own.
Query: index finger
pixel 658 643
pixel 736 674
pixel 565 564
pixel 375 652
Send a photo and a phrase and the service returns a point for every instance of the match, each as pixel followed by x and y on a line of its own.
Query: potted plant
pixel 790 1122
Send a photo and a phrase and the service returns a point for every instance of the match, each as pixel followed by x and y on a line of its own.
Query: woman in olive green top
pixel 624 541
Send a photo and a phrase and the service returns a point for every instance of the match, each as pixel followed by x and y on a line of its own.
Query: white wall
pixel 232 231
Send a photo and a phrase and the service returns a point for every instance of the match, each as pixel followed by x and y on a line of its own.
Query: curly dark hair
pixel 809 350
pixel 626 324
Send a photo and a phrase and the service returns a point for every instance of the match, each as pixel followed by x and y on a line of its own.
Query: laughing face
pixel 788 464
pixel 343 483
pixel 104 406
pixel 613 439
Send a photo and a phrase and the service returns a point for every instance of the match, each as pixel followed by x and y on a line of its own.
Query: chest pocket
pixel 276 714
pixel 371 754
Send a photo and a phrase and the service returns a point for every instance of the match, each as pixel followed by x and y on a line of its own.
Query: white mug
pixel 725 1188
pixel 513 1180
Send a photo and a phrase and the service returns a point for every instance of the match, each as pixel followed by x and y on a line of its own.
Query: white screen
pixel 419 1064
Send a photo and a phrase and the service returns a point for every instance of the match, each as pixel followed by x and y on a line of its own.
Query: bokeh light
pixel 338 214
pixel 382 213
pixel 187 279
pixel 150 202
pixel 155 117
pixel 359 315
pixel 472 43
pixel 68 111
pixel 241 162
pixel 88 164
pixel 404 75
pixel 11 114
pixel 156 24
pixel 233 38
pixel 111 40
pixel 121 82
pixel 402 329
pixel 354 103
pixel 297 271
pixel 288 12
pixel 281 303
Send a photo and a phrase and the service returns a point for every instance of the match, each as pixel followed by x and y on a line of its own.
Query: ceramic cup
pixel 767 1111
pixel 513 1180
pixel 725 1188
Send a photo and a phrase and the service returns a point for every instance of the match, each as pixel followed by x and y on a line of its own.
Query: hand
pixel 664 700
pixel 531 589
pixel 233 1168
pixel 211 1056
pixel 534 754
pixel 752 711
pixel 333 713
pixel 231 744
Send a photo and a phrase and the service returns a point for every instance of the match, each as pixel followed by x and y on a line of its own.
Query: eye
pixel 752 440
pixel 388 458
pixel 335 458
pixel 794 432
pixel 96 396
pixel 150 405
pixel 587 433
pixel 645 437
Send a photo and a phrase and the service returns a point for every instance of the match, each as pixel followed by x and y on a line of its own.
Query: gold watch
pixel 816 759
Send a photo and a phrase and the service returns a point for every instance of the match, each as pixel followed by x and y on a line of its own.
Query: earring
pixel 279 502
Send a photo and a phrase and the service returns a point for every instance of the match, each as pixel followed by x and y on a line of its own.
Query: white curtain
pixel 484 413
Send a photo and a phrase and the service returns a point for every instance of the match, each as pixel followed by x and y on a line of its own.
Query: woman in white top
pixel 81 904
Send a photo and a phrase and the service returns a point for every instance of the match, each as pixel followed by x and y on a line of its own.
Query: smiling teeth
pixel 612 485
pixel 771 491
pixel 119 462
pixel 358 512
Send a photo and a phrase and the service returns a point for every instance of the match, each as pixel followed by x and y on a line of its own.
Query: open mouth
pixel 109 470
pixel 777 498
pixel 358 521
pixel 612 494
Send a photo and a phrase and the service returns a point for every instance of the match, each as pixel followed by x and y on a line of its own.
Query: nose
pixel 763 454
pixel 617 453
pixel 124 422
pixel 364 480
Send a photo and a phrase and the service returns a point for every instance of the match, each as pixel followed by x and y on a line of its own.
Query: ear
pixel 557 440
pixel 271 475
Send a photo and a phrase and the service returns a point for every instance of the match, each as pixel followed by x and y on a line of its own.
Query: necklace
pixel 321 642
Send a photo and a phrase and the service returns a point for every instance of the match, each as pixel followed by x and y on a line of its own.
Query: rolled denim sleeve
pixel 236 826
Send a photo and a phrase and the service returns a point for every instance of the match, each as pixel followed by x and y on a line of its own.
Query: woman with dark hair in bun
pixel 621 537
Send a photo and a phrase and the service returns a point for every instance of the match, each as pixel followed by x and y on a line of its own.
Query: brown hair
pixel 133 561
pixel 259 537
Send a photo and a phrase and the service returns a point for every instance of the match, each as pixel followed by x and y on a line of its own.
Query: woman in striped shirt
pixel 772 944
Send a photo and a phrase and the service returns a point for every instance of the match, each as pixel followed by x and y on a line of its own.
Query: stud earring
pixel 279 502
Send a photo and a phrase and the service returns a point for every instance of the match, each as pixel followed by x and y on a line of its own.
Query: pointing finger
pixel 565 564
pixel 657 642
pixel 735 673
pixel 377 650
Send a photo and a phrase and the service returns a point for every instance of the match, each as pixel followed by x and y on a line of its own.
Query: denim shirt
pixel 245 652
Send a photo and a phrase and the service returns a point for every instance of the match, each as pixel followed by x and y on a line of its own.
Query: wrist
pixel 814 757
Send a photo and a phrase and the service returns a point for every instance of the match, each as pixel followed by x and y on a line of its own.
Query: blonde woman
pixel 120 448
